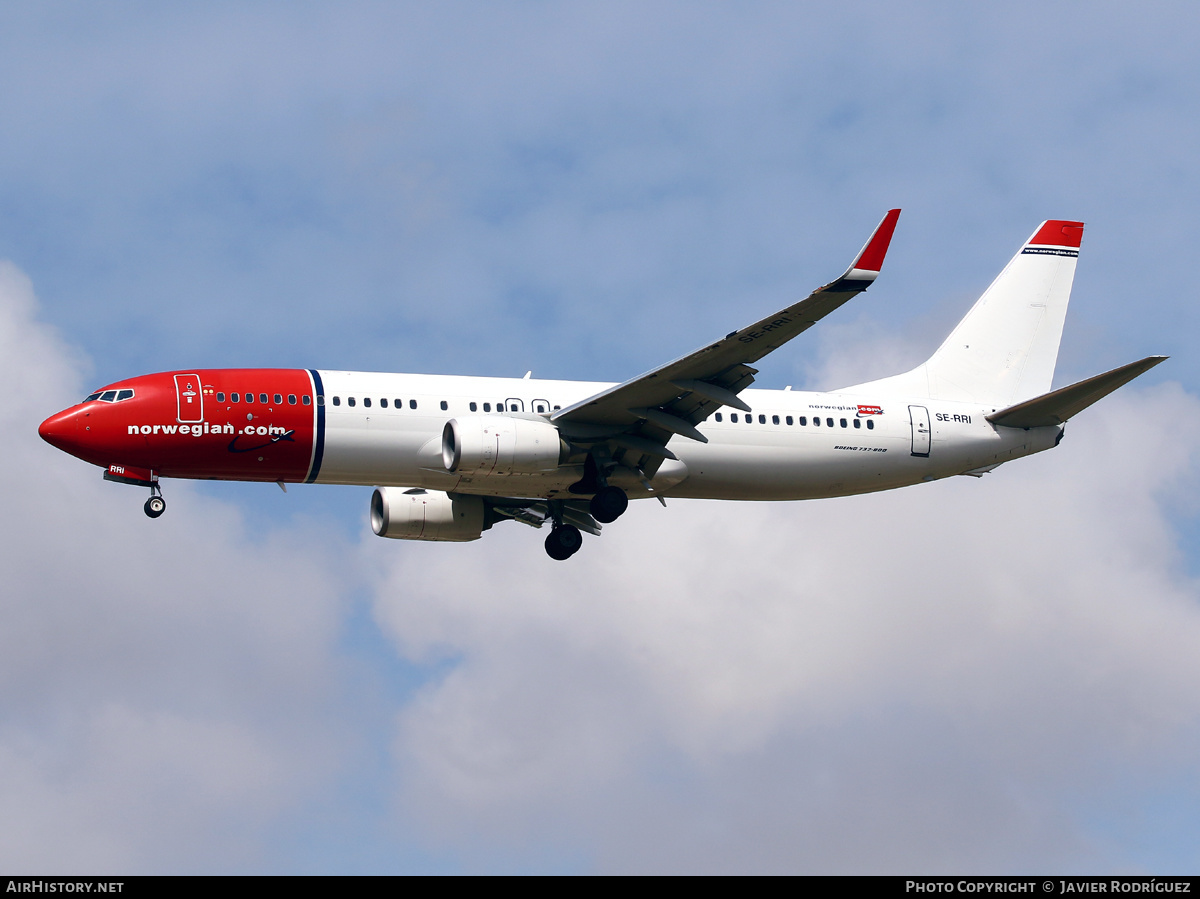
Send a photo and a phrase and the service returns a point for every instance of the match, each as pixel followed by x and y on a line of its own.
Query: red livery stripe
pixel 1057 233
pixel 871 258
pixel 186 425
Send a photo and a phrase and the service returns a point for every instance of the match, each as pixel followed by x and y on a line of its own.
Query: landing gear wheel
pixel 155 506
pixel 608 504
pixel 563 542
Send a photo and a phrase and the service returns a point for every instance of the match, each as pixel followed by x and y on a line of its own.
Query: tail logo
pixel 1049 251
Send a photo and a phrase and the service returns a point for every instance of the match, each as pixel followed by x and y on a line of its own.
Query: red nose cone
pixel 60 431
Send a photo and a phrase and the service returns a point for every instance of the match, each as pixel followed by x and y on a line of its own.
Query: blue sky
pixel 984 676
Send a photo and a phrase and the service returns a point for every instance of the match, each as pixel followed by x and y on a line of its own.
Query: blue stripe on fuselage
pixel 319 436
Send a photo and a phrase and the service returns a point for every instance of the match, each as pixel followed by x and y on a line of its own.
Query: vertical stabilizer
pixel 1005 349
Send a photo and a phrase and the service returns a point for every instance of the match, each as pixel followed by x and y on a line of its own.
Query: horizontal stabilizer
pixel 1056 407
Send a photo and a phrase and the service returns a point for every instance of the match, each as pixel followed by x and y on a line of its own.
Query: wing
pixel 536 512
pixel 642 414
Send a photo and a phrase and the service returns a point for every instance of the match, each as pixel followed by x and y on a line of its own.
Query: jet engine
pixel 418 514
pixel 500 445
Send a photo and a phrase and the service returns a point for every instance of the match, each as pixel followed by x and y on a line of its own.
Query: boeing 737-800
pixel 452 456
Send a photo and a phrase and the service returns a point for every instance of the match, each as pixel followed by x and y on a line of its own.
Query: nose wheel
pixel 155 505
pixel 563 542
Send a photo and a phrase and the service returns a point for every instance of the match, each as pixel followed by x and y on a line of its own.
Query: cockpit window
pixel 110 396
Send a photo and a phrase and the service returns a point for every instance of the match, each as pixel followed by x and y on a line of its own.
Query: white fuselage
pixel 759 456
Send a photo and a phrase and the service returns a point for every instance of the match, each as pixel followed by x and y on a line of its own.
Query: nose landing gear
pixel 140 477
pixel 155 505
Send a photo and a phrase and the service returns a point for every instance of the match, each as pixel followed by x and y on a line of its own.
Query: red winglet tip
pixel 1058 233
pixel 871 258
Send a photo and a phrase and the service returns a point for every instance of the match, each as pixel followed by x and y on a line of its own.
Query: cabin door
pixel 190 399
pixel 919 416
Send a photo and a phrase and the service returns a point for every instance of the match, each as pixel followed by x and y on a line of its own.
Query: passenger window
pixel 717 416
pixel 789 420
pixel 262 398
pixel 870 425
pixel 474 407
pixel 749 419
pixel 337 400
pixel 774 419
pixel 350 401
pixel 857 423
pixel 444 406
pixel 108 396
pixel 817 422
pixel 829 422
pixel 367 401
pixel 249 397
pixel 803 421
pixel 487 407
pixel 762 419
pixel 383 403
pixel 291 399
pixel 124 395
pixel 306 399
pixel 399 404
pixel 235 398
pixel 540 406
pixel 220 397
pixel 320 399
pixel 412 404
pixel 733 417
pixel 842 421
pixel 278 399
pixel 556 408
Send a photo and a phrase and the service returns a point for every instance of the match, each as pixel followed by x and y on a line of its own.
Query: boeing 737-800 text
pixel 452 456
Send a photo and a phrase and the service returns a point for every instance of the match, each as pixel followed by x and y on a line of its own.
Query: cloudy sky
pixel 995 675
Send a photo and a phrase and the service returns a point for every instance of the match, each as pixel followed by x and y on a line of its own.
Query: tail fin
pixel 1005 349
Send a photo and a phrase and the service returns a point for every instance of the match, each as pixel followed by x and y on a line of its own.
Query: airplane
pixel 452 456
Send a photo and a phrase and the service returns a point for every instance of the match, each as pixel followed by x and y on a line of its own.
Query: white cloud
pixel 951 677
pixel 954 674
pixel 942 678
pixel 169 687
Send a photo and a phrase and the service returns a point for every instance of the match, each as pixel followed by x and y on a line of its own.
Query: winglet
pixel 869 261
pixel 871 257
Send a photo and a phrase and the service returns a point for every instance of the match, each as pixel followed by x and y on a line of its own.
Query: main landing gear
pixel 608 504
pixel 155 505
pixel 563 542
